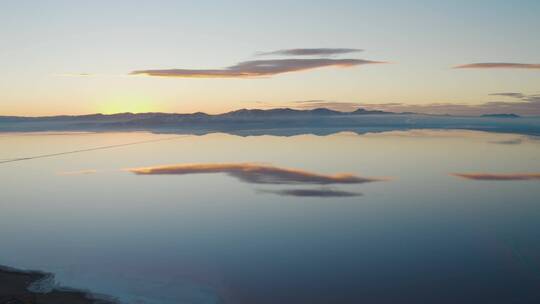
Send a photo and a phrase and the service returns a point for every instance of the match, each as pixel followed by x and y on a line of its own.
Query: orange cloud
pixel 257 174
pixel 498 65
pixel 257 68
pixel 498 177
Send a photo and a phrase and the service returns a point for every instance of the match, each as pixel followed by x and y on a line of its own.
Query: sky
pixel 457 57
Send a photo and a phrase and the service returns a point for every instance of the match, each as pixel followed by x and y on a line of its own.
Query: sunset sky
pixel 464 57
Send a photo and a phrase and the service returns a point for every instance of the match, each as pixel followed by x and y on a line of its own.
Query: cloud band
pixel 257 68
pixel 257 174
pixel 498 65
pixel 311 52
pixel 322 193
pixel 499 177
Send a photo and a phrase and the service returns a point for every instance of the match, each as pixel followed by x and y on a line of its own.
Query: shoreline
pixel 32 287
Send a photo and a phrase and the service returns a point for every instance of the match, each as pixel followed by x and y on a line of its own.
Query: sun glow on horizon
pixel 127 102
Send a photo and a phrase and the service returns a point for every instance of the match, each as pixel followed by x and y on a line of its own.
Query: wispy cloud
pixel 311 52
pixel 514 141
pixel 521 96
pixel 509 94
pixel 88 75
pixel 257 173
pixel 257 68
pixel 498 65
pixel 334 105
pixel 75 75
pixel 78 172
pixel 492 107
pixel 498 177
pixel 523 104
pixel 322 192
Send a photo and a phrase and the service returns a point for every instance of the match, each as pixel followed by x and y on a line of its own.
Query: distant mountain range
pixel 281 121
pixel 242 113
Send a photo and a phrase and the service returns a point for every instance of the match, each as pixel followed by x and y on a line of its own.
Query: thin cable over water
pixel 90 149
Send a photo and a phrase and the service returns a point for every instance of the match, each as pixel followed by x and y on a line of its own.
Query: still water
pixel 421 235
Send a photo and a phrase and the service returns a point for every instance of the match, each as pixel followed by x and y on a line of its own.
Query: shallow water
pixel 422 236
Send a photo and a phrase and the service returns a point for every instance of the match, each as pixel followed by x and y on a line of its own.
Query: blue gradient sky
pixel 45 42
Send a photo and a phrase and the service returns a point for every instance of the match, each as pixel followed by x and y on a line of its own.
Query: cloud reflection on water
pixel 322 192
pixel 257 173
pixel 498 176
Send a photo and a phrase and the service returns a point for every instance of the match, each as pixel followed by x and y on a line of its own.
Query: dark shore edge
pixel 36 287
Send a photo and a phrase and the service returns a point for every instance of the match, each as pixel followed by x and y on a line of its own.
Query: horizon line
pixel 255 109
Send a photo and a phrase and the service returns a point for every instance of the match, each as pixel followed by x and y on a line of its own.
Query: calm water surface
pixel 424 236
